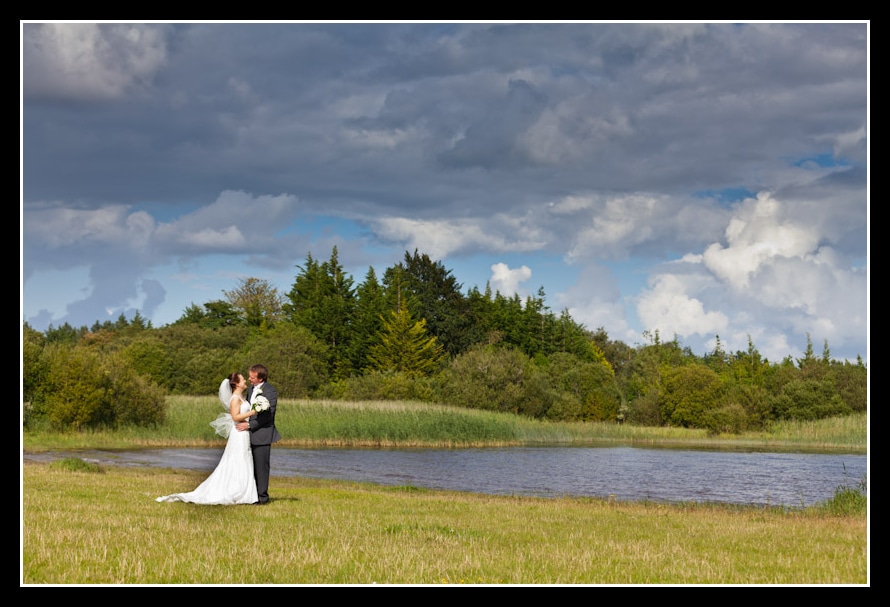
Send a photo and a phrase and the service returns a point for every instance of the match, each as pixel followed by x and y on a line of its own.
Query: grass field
pixel 88 525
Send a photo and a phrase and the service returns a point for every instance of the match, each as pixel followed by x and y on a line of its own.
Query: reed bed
pixel 102 526
pixel 415 424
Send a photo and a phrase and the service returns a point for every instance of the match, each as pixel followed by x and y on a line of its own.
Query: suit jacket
pixel 262 425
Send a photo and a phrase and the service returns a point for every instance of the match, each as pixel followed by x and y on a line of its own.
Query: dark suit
pixel 262 434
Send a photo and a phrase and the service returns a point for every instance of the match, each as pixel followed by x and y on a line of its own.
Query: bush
pixel 728 419
pixel 135 399
pixel 498 379
pixel 564 406
pixel 72 393
pixel 689 395
pixel 83 389
pixel 809 399
pixel 295 359
pixel 380 385
pixel 32 367
pixel 591 384
pixel 645 410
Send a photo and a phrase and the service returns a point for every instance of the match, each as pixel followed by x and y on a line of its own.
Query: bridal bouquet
pixel 261 404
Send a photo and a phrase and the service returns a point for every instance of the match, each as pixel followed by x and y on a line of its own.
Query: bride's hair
pixel 234 378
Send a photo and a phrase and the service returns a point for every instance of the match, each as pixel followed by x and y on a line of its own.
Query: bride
pixel 232 482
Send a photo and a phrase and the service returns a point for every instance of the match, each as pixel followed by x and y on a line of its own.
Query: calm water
pixel 627 473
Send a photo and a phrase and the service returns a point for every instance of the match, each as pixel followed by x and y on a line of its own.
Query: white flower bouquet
pixel 261 404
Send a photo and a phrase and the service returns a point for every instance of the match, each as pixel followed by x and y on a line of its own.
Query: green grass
pixel 75 464
pixel 412 424
pixel 848 499
pixel 85 528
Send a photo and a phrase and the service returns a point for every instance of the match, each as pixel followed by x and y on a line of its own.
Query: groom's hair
pixel 261 371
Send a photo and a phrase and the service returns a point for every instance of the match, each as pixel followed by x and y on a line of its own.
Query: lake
pixel 625 473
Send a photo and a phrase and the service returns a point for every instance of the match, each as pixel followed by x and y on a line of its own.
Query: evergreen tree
pixel 63 334
pixel 322 300
pixel 220 314
pixel 193 315
pixel 480 309
pixel 508 319
pixel 439 301
pixel 809 355
pixel 304 299
pixel 406 347
pixel 370 307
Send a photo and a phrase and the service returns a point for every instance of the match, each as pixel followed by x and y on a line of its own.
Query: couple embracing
pixel 242 475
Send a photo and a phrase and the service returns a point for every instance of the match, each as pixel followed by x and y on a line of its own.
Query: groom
pixel 262 429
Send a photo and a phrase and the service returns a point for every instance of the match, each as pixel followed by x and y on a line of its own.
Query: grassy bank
pixel 87 525
pixel 410 424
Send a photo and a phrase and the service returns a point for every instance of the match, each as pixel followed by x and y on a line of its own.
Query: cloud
pixel 615 226
pixel 757 235
pixel 57 227
pixel 121 247
pixel 666 307
pixel 595 300
pixel 491 140
pixel 506 281
pixel 89 61
pixel 441 238
pixel 773 277
pixel 236 222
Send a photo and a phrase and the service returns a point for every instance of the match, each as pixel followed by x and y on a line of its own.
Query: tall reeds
pixel 419 424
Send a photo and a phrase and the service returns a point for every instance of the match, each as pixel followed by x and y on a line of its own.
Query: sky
pixel 698 179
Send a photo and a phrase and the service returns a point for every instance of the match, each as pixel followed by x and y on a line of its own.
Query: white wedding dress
pixel 232 482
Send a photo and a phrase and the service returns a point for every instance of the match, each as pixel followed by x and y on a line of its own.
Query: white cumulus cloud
pixel 756 236
pixel 507 281
pixel 667 307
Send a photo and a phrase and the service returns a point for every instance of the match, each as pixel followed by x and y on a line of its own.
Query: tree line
pixel 415 334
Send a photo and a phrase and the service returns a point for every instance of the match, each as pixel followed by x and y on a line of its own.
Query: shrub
pixel 135 399
pixel 498 379
pixel 689 394
pixel 295 358
pixel 564 406
pixel 81 388
pixel 73 394
pixel 730 419
pixel 591 384
pixel 645 410
pixel 380 385
pixel 809 399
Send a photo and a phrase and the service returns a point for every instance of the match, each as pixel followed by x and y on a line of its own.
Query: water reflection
pixel 627 473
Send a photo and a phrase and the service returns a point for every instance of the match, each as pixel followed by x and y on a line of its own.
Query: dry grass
pixel 82 527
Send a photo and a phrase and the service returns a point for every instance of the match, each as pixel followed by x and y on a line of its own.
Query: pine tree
pixel 370 307
pixel 322 299
pixel 406 347
pixel 440 301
